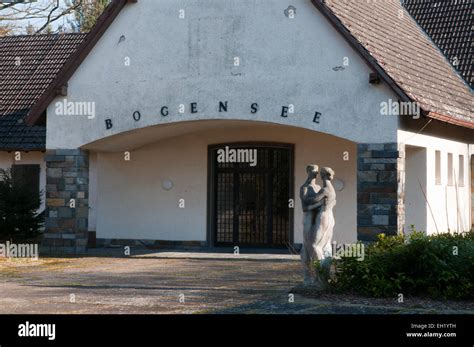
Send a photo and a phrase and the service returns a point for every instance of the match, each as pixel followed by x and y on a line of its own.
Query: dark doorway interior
pixel 250 204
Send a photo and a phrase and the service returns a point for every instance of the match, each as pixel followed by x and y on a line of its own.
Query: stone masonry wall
pixel 380 190
pixel 67 208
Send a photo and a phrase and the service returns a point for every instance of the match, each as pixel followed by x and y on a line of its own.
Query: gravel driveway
pixel 179 282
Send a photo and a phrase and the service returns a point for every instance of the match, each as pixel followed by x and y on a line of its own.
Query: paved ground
pixel 155 283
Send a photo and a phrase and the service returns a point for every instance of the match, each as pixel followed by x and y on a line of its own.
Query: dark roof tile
pixel 449 25
pixel 28 65
pixel 393 38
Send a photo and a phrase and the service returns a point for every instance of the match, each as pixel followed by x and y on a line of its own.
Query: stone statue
pixel 318 221
pixel 308 193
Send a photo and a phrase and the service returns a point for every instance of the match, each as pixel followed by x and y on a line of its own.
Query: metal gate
pixel 250 204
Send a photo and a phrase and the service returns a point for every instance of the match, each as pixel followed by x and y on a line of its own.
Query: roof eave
pixel 451 120
pixel 367 57
pixel 372 62
pixel 41 148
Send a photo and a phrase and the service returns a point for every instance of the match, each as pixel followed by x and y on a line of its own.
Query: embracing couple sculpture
pixel 318 222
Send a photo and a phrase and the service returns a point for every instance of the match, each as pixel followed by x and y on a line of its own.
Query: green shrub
pixel 416 265
pixel 19 204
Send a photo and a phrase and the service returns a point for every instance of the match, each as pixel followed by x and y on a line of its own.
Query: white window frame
pixel 438 167
pixel 461 175
pixel 450 167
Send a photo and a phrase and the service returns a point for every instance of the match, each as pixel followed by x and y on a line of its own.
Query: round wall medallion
pixel 167 184
pixel 338 184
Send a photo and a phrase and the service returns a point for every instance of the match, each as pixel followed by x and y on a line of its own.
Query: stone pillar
pixel 380 190
pixel 67 183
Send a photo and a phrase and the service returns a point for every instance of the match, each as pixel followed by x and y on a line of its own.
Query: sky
pixel 42 9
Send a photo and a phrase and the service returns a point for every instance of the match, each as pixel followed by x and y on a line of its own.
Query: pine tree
pixel 19 204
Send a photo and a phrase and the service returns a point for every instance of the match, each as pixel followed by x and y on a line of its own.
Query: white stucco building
pixel 136 114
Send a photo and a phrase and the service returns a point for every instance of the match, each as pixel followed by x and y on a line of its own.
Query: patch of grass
pixel 21 264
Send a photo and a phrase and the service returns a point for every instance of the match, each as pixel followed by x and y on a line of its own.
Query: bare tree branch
pixel 59 16
pixel 48 18
pixel 80 15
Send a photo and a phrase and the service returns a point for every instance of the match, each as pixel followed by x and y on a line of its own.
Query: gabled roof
pixel 28 65
pixel 390 40
pixel 449 24
pixel 381 31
